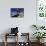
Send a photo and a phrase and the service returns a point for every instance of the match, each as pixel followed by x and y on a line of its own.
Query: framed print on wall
pixel 41 8
pixel 41 12
pixel 17 12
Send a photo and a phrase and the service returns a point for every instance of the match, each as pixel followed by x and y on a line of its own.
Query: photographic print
pixel 17 12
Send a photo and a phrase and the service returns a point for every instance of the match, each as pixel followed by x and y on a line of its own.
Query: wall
pixel 24 24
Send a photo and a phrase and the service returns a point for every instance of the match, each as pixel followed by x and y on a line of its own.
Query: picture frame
pixel 17 12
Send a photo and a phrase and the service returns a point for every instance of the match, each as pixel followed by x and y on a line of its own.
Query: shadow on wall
pixel 7 31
